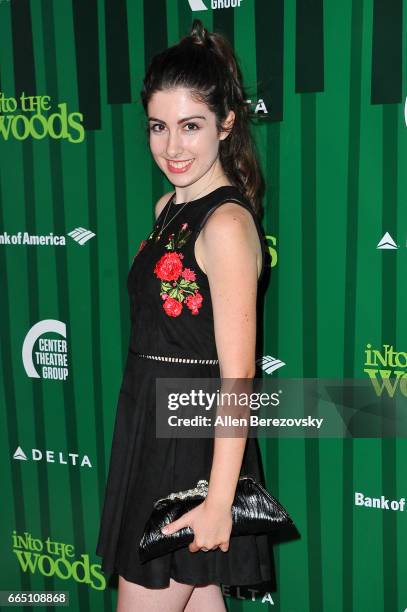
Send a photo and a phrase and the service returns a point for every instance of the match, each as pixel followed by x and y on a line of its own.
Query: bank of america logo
pixel 81 235
pixel 269 364
pixel 387 242
pixel 20 454
pixel 197 5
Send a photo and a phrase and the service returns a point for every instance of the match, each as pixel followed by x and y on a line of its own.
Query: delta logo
pixel 200 5
pixel 258 108
pixel 248 594
pixel 51 456
pixel 387 243
pixel 387 369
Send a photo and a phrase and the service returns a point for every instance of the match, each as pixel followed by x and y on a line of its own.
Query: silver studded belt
pixel 177 359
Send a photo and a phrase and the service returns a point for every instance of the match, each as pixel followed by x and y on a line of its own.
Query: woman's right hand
pixel 211 525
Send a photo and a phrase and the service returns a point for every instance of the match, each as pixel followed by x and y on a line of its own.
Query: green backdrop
pixel 327 85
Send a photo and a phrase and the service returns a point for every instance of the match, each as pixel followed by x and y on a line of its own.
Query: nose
pixel 174 145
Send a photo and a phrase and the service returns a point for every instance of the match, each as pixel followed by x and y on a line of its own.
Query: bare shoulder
pixel 162 202
pixel 230 218
pixel 229 227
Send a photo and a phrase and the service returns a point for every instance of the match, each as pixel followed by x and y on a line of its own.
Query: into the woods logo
pixel 387 369
pixel 32 116
pixel 58 559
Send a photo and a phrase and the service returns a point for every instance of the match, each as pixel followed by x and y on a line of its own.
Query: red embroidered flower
pixel 194 302
pixel 168 267
pixel 177 283
pixel 172 307
pixel 188 274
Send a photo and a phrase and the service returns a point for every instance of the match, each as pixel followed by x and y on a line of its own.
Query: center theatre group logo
pixel 30 116
pixel 50 357
pixel 387 369
pixel 200 5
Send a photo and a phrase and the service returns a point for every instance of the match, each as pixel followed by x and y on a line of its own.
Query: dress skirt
pixel 144 468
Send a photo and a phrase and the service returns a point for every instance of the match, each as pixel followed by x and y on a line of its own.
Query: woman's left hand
pixel 211 525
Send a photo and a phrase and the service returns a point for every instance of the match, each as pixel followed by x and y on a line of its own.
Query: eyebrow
pixel 181 120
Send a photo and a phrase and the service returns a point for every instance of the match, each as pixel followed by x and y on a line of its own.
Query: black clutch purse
pixel 254 511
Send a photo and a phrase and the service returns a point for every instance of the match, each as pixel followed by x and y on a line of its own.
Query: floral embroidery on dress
pixel 178 286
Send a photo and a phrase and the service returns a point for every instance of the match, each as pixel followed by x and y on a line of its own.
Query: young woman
pixel 193 293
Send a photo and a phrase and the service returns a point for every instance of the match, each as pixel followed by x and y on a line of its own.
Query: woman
pixel 193 292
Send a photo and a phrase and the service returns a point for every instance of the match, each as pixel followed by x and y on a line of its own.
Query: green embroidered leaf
pixel 182 237
pixel 170 244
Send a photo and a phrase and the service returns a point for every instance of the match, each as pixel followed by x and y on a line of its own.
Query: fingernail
pixel 164 530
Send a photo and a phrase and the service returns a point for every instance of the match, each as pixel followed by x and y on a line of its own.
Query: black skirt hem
pixel 193 580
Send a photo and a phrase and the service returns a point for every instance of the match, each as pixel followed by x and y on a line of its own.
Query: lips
pixel 179 167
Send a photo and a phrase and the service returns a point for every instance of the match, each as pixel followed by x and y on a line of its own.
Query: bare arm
pixel 231 252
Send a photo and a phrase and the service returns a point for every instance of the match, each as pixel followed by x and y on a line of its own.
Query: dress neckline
pixel 207 195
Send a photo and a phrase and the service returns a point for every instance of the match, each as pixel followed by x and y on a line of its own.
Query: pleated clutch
pixel 254 511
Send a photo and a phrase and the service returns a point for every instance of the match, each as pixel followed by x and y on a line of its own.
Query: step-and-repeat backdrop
pixel 326 85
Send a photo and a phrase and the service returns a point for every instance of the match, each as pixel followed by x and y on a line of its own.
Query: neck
pixel 181 196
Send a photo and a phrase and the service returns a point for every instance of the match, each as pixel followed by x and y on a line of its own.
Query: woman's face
pixel 183 137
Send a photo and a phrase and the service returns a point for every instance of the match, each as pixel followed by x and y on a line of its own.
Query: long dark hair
pixel 204 63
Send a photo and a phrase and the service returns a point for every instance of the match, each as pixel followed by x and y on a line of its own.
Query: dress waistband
pixel 175 359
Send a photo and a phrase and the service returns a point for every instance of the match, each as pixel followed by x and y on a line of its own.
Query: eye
pixel 150 128
pixel 195 126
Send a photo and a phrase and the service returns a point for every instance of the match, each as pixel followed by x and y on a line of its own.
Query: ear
pixel 227 125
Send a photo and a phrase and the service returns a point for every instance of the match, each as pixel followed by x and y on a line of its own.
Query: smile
pixel 181 166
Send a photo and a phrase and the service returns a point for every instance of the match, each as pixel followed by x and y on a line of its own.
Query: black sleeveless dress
pixel 171 315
